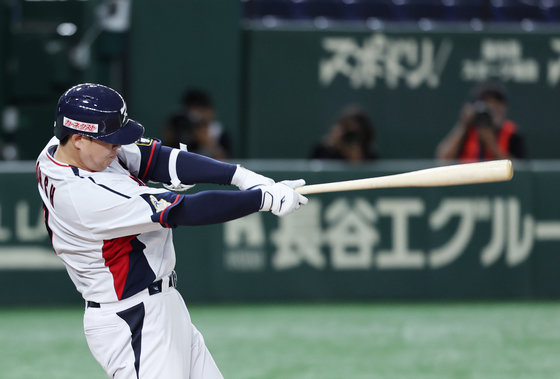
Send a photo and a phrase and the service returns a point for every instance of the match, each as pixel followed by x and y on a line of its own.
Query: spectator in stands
pixel 196 125
pixel 351 138
pixel 482 131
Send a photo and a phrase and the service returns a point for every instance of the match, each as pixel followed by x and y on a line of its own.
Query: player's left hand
pixel 281 198
pixel 246 179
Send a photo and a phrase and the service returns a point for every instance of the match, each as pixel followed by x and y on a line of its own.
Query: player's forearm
pixel 211 207
pixel 167 165
pixel 191 168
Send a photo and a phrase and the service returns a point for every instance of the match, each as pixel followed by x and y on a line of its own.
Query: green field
pixel 319 341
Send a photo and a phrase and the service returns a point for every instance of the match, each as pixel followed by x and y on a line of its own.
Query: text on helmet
pixel 79 125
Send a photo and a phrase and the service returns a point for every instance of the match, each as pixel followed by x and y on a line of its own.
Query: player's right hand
pixel 281 198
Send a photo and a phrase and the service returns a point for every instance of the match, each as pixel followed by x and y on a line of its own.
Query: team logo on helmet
pixel 79 125
pixel 124 114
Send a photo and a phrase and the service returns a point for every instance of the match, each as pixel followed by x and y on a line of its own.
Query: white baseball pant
pixel 148 336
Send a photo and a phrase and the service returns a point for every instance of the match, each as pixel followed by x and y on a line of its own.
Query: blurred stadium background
pixel 408 283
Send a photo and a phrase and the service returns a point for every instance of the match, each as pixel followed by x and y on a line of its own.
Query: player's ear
pixel 77 140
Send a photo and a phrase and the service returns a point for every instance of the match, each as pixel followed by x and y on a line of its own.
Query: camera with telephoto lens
pixel 482 114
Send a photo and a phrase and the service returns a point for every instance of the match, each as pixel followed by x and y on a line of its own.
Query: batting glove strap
pixel 246 179
pixel 281 198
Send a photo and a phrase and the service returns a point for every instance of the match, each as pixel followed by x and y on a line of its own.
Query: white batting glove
pixel 246 179
pixel 281 198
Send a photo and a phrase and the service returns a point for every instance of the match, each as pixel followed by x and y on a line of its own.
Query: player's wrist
pixel 246 179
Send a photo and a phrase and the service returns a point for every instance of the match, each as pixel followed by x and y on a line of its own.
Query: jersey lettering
pixel 44 184
pixel 51 195
pixel 46 216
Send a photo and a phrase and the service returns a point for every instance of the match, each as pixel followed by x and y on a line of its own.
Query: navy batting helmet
pixel 95 111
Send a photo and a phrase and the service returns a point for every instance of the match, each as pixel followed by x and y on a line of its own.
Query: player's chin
pixel 110 159
pixel 101 166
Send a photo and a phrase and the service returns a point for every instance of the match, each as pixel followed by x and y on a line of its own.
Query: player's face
pixel 96 155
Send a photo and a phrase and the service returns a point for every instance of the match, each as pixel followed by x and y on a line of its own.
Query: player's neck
pixel 65 154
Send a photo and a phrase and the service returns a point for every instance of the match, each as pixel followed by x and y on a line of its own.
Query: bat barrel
pixel 460 174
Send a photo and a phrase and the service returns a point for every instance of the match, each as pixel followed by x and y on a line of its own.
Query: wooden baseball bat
pixel 459 174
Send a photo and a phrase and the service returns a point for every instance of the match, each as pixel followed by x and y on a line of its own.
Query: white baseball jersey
pixel 108 227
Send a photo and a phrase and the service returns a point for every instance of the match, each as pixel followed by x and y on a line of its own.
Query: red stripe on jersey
pixel 149 160
pixel 115 253
pixel 140 183
pixel 55 162
pixel 165 210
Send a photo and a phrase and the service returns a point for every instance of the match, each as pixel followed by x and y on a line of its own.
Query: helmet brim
pixel 130 132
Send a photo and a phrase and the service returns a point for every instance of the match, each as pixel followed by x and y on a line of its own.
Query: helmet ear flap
pixel 59 130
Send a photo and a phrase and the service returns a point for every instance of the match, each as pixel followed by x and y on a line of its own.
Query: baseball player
pixel 113 232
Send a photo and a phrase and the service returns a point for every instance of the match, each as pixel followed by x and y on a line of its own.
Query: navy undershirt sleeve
pixel 212 207
pixel 191 168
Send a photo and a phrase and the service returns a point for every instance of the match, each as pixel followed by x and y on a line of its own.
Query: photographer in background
pixel 350 139
pixel 482 131
pixel 197 126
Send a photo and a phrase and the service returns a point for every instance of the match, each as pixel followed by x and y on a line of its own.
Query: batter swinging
pixel 113 232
